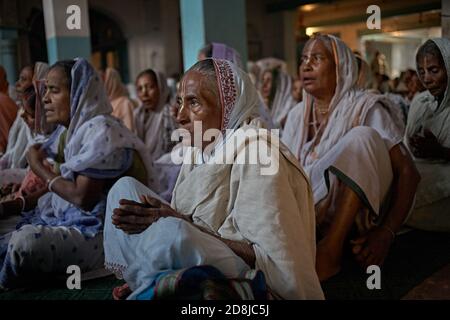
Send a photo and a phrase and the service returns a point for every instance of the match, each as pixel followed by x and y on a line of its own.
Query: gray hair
pixel 430 48
pixel 207 69
pixel 324 38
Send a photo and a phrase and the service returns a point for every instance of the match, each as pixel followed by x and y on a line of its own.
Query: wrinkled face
pixel 27 114
pixel 25 80
pixel 196 102
pixel 433 75
pixel 57 98
pixel 297 90
pixel 267 83
pixel 317 70
pixel 148 91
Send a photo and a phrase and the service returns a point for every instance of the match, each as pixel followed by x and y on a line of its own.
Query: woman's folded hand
pixel 135 217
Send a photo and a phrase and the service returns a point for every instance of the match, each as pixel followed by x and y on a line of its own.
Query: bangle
pixel 51 182
pixel 390 230
pixel 23 202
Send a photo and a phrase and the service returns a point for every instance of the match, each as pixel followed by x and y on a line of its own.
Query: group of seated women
pixel 348 176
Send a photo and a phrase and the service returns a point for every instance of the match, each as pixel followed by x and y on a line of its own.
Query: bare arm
pixel 373 247
pixel 84 192
pixel 406 179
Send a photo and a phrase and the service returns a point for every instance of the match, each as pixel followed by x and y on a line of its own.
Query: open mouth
pixel 307 81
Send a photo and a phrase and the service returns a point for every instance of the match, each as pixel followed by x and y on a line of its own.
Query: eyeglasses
pixel 314 59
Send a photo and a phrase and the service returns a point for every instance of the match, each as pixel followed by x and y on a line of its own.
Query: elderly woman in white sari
pixel 230 216
pixel 351 134
pixel 62 225
pixel 154 124
pixel 428 136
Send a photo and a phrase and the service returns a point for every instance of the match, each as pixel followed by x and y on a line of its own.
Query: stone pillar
pixel 8 53
pixel 204 21
pixel 65 38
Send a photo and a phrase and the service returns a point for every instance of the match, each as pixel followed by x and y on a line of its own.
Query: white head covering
pixel 232 82
pixel 154 127
pixel 41 125
pixel 348 108
pixel 113 84
pixel 425 113
pixel 20 136
pixel 283 100
pixel 95 140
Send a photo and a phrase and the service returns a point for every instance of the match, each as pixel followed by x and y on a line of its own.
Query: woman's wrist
pixel 51 181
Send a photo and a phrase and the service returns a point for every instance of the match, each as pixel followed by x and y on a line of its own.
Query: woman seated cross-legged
pixel 229 215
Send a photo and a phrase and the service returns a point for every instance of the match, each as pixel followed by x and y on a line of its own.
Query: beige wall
pixel 151 28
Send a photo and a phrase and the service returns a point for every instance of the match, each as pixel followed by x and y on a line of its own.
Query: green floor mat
pixel 98 289
pixel 414 257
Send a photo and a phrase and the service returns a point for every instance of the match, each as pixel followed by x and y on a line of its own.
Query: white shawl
pixel 154 128
pixel 275 213
pixel 425 113
pixel 349 108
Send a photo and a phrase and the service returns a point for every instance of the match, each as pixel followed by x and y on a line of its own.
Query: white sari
pixel 154 128
pixel 273 213
pixel 361 129
pixel 433 193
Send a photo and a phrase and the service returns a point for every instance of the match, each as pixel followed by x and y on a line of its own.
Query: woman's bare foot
pixel 122 292
pixel 328 261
